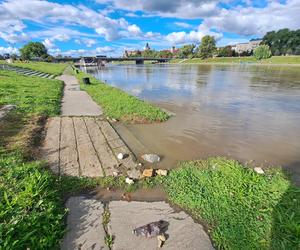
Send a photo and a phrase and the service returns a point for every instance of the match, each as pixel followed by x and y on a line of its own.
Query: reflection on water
pixel 245 112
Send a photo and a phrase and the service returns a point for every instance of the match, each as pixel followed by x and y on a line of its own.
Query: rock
pixel 129 181
pixel 115 174
pixel 148 172
pixel 162 172
pixel 152 158
pixel 120 156
pixel 259 170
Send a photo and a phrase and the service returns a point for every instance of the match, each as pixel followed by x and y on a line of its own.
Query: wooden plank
pixel 51 144
pixel 89 163
pixel 68 150
pixel 107 157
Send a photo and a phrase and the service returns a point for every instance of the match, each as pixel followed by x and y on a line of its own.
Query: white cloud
pixel 106 50
pixel 134 29
pixel 88 42
pixel 12 12
pixel 168 8
pixel 247 20
pixel 257 21
pixel 193 36
pixel 9 50
pixel 48 43
pixel 183 25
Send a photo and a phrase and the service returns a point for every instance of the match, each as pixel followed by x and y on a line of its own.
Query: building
pixel 246 47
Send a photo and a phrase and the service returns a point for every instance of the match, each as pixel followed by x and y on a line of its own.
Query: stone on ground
pixel 182 233
pixel 84 225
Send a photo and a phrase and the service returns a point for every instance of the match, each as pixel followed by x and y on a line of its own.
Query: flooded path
pixel 250 113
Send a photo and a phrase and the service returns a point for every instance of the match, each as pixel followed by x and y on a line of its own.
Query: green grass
pixel 250 59
pixel 242 209
pixel 30 94
pixel 50 68
pixel 120 105
pixel 31 207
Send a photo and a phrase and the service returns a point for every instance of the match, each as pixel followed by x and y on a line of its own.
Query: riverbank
pixel 274 60
pixel 119 105
pixel 237 205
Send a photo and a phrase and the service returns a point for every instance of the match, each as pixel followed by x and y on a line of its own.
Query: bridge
pixel 95 61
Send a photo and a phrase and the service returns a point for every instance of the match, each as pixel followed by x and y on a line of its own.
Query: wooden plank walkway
pixel 86 146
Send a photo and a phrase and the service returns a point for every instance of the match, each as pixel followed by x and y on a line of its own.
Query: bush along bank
pixel 119 105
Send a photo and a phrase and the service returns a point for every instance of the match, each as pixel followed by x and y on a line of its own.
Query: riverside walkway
pixel 81 142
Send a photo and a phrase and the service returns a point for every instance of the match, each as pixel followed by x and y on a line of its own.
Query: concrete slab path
pixel 84 225
pixel 86 146
pixel 182 232
pixel 76 102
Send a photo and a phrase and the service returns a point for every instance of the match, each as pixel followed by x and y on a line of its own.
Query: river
pixel 247 112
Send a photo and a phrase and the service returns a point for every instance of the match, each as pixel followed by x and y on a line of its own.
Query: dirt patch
pixel 23 133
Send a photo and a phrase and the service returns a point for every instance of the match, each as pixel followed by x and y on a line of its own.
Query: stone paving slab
pixel 85 229
pixel 86 146
pixel 182 232
pixel 76 102
pixel 84 225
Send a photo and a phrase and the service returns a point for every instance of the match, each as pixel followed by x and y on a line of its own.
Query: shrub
pixel 262 52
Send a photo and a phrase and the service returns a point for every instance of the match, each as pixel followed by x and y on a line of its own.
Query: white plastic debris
pixel 259 170
pixel 129 181
pixel 120 156
pixel 115 174
pixel 152 158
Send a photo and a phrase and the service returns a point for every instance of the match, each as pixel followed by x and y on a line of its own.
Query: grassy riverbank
pixel 292 60
pixel 120 105
pixel 31 208
pixel 50 68
pixel 239 206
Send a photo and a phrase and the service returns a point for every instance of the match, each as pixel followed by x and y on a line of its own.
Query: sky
pixel 108 27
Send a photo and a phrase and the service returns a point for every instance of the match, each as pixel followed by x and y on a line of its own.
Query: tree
pixel 207 47
pixel 186 51
pixel 283 41
pixel 33 49
pixel 164 54
pixel 226 52
pixel 262 52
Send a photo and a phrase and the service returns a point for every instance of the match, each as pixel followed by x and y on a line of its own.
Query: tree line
pixel 281 42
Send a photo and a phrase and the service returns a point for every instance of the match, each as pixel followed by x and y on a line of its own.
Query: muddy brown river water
pixel 247 112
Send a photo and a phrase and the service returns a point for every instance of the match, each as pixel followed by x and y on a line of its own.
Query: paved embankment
pixel 26 72
pixel 86 146
pixel 84 229
pixel 76 102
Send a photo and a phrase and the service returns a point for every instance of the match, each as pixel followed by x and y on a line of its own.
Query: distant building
pixel 173 50
pixel 132 53
pixel 147 47
pixel 246 47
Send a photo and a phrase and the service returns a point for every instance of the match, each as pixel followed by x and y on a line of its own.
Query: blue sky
pixel 110 26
